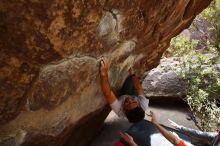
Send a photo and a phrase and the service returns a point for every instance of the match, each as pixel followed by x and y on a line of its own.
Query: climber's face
pixel 130 103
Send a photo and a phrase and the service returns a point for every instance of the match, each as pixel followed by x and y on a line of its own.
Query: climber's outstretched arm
pixel 104 67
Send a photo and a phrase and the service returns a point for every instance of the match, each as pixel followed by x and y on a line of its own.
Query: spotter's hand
pixel 129 139
pixel 153 117
pixel 173 124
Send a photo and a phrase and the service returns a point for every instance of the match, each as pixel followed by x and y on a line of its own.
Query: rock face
pixel 163 83
pixel 49 60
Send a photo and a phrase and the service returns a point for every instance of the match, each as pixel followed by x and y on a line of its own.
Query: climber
pixel 129 105
pixel 167 134
pixel 212 138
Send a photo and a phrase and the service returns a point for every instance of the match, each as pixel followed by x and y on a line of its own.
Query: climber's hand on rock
pixel 131 71
pixel 104 67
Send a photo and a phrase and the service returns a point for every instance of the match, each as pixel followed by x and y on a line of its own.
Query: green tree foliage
pixel 211 16
pixel 199 69
pixel 201 77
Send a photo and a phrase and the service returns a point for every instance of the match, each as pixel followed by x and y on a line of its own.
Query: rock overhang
pixel 50 52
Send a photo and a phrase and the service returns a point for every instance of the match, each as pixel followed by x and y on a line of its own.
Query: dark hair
pixel 135 115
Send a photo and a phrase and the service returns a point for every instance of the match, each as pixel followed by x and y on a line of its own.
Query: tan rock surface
pixel 49 59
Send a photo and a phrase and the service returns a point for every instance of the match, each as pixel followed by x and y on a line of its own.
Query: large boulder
pixel 49 61
pixel 163 83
